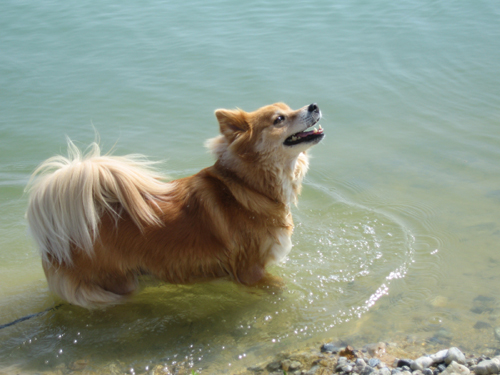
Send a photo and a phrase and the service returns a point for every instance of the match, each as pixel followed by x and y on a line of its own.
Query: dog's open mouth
pixel 308 135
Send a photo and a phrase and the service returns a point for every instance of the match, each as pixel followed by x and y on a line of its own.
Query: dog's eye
pixel 279 119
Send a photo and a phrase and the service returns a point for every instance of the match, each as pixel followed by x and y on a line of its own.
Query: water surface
pixel 397 229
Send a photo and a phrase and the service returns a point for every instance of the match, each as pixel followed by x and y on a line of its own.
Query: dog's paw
pixel 272 283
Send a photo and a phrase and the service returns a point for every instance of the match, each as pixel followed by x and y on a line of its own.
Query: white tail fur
pixel 69 195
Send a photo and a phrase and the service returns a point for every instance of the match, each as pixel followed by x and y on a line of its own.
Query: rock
pixel 373 362
pixel 79 364
pixel 255 369
pixel 489 366
pixel 405 373
pixel 441 367
pixel 497 333
pixel 367 370
pixel 329 348
pixel 439 356
pixel 347 368
pixel 404 362
pixel 360 362
pixel 273 366
pixel 481 325
pixel 289 365
pixel 455 354
pixel 395 371
pixel 313 370
pixel 443 334
pixel 375 349
pixel 348 352
pixel 483 304
pixel 439 301
pixel 417 372
pixel 427 371
pixel 471 362
pixel 384 371
pixel 421 363
pixel 456 368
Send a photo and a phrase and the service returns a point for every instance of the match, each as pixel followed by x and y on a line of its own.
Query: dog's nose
pixel 313 108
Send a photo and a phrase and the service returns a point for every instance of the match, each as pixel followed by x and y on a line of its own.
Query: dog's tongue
pixel 305 134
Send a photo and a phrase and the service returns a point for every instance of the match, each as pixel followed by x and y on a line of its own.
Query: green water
pixel 398 227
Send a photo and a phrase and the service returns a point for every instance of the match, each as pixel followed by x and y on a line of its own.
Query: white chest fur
pixel 281 247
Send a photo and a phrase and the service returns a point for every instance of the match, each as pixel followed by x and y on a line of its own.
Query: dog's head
pixel 273 132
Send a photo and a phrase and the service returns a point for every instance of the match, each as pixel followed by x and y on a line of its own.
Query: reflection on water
pixel 397 230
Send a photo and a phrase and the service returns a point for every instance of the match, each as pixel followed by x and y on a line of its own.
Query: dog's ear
pixel 232 123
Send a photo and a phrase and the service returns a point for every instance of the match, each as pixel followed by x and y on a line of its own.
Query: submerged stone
pixel 481 325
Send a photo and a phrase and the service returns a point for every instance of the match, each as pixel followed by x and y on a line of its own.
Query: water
pixel 399 222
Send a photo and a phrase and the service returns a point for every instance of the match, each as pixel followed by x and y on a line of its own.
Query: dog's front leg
pixel 270 281
pixel 257 276
pixel 251 275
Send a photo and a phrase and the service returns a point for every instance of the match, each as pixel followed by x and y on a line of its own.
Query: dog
pixel 100 221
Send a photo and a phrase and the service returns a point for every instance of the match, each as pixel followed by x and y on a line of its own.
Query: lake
pixel 398 226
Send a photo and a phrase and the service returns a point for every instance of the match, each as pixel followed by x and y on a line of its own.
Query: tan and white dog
pixel 100 221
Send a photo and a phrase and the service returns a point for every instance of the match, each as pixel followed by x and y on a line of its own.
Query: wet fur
pixel 100 221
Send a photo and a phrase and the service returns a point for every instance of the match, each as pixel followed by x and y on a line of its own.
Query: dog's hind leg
pixel 88 293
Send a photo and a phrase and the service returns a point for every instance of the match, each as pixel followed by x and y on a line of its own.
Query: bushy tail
pixel 67 197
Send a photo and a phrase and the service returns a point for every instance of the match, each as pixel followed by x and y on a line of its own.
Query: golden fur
pixel 100 221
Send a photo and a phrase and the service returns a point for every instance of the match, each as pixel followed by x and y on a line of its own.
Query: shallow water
pixel 398 226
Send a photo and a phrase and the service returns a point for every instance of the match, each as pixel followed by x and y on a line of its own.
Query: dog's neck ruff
pixel 280 182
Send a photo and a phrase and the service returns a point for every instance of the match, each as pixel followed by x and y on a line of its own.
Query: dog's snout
pixel 313 108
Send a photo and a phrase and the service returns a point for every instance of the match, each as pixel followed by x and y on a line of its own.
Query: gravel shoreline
pixel 379 359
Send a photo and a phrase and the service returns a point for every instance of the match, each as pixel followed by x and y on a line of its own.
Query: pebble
pixel 441 367
pixel 489 366
pixel 375 349
pixel 421 363
pixel 288 365
pixel 404 362
pixel 330 348
pixel 481 325
pixel 455 354
pixel 373 362
pixel 273 366
pixel 456 368
pixel 439 356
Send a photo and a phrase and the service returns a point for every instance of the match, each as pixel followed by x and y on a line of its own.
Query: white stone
pixel 439 356
pixel 490 366
pixel 455 354
pixel 456 368
pixel 421 363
